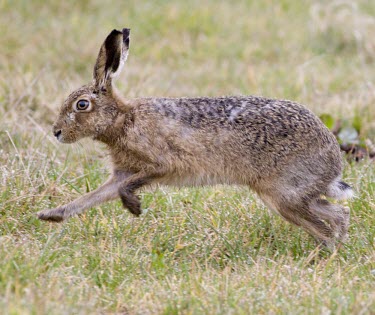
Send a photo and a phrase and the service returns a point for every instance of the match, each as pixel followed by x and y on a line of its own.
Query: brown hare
pixel 278 148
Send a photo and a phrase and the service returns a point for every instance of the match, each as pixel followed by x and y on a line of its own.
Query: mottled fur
pixel 278 148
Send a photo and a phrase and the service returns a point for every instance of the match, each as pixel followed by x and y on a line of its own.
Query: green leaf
pixel 328 120
pixel 357 122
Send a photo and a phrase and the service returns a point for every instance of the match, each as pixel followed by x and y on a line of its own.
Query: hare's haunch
pixel 278 148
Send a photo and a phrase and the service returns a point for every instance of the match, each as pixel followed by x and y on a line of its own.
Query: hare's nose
pixel 57 133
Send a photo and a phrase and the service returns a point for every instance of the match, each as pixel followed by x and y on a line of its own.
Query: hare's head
pixel 91 109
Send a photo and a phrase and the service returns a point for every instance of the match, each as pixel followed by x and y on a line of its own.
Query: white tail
pixel 340 190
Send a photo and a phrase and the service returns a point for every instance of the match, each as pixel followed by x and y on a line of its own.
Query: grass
pixel 195 251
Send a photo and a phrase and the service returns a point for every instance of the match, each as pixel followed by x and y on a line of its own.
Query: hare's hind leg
pixel 300 214
pixel 311 222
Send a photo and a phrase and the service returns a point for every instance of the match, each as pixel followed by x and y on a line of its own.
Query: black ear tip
pixel 114 32
pixel 126 32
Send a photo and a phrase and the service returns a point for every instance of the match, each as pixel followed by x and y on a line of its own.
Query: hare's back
pixel 256 120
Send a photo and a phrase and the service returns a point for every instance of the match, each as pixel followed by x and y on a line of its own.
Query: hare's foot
pixel 52 215
pixel 131 202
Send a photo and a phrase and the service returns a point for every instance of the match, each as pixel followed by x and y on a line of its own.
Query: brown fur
pixel 278 148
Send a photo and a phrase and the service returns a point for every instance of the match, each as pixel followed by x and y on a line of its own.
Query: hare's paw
pixel 53 215
pixel 131 202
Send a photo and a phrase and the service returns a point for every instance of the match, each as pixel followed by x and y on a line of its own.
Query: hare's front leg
pixel 131 184
pixel 108 191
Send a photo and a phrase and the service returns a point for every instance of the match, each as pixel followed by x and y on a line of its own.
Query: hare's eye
pixel 82 105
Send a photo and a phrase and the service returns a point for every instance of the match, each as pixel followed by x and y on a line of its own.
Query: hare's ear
pixel 111 58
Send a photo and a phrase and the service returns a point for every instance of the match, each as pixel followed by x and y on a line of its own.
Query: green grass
pixel 194 251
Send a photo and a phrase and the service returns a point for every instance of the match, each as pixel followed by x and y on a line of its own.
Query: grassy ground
pixel 194 251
